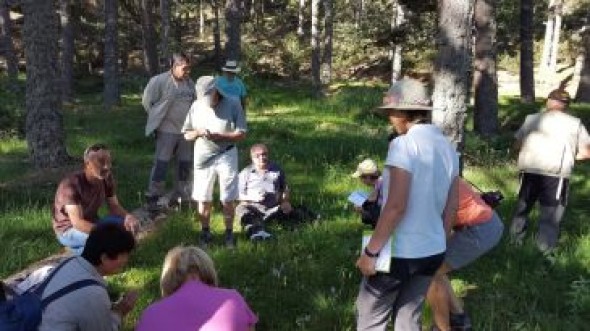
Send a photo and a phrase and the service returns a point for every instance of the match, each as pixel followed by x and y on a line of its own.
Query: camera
pixel 492 198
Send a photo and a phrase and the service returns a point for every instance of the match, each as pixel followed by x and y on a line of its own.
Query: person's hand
pixel 131 223
pixel 366 265
pixel 286 207
pixel 126 303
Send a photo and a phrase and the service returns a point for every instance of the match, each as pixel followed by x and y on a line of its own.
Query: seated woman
pixel 192 300
pixel 369 174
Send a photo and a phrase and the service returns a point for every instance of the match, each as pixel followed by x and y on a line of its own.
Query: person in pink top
pixel 477 228
pixel 192 300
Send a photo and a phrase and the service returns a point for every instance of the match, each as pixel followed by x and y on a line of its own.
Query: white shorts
pixel 225 167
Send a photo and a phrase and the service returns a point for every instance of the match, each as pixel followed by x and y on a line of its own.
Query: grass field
pixel 306 279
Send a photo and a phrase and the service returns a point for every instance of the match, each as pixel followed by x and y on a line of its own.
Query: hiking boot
pixel 230 240
pixel 205 239
pixel 460 322
pixel 260 235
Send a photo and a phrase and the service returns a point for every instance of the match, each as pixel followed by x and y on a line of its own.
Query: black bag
pixel 492 198
pixel 370 213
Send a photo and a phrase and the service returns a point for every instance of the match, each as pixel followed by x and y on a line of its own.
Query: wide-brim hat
pixel 406 94
pixel 204 85
pixel 367 167
pixel 231 66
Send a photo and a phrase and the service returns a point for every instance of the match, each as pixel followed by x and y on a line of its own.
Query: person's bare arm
pixel 76 217
pixel 450 212
pixel 130 222
pixel 391 215
pixel 233 136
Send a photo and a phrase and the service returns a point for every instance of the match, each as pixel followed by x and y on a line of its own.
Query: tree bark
pixel 216 34
pixel 44 123
pixel 165 33
pixel 326 71
pixel 112 93
pixel 201 19
pixel 548 65
pixel 583 93
pixel 150 53
pixel 315 49
pixel 7 45
pixel 485 80
pixel 452 68
pixel 233 18
pixel 527 78
pixel 555 39
pixel 301 18
pixel 67 51
pixel 398 19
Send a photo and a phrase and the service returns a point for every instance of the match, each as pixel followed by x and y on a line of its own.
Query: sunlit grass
pixel 306 279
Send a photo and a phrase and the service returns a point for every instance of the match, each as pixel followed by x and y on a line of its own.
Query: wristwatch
pixel 370 254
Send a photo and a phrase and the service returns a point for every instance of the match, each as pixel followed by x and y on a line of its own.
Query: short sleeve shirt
pixel 226 117
pixel 75 189
pixel 433 164
pixel 270 184
pixel 181 96
pixel 550 142
pixel 234 88
pixel 472 209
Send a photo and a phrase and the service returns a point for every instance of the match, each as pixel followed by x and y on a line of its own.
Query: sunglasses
pixel 374 177
pixel 94 148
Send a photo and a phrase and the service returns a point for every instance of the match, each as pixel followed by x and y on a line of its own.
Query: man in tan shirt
pixel 549 143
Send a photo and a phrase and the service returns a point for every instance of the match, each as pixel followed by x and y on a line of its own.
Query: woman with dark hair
pixel 419 192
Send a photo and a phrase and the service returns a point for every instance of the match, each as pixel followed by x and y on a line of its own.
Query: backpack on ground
pixel 23 311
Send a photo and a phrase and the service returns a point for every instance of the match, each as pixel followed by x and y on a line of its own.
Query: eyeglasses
pixel 94 148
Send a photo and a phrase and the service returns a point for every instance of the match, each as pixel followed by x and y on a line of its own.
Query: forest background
pixel 73 73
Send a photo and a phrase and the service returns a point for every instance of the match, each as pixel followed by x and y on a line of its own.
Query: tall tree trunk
pixel 112 93
pixel 216 33
pixel 165 33
pixel 583 93
pixel 201 19
pixel 328 41
pixel 150 53
pixel 68 50
pixel 555 39
pixel 485 80
pixel 44 122
pixel 397 19
pixel 548 64
pixel 452 67
pixel 301 18
pixel 233 18
pixel 7 45
pixel 315 49
pixel 359 13
pixel 527 76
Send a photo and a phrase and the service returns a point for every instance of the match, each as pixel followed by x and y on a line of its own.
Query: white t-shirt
pixel 433 163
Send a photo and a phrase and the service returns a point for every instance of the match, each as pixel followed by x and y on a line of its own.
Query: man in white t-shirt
pixel 420 199
pixel 549 143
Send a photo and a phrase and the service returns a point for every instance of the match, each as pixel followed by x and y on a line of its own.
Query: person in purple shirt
pixel 192 299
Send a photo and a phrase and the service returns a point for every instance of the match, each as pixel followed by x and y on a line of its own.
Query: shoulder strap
pixel 68 289
pixel 41 287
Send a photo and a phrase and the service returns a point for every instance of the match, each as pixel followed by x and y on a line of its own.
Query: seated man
pixel 263 193
pixel 81 194
pixel 88 307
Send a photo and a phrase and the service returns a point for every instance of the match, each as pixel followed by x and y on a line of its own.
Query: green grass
pixel 306 279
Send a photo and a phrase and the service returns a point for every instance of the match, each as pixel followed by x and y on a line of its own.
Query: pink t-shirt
pixel 196 306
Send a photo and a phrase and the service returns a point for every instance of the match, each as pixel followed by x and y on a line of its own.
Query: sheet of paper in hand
pixel 357 198
pixel 383 263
